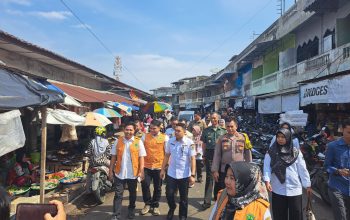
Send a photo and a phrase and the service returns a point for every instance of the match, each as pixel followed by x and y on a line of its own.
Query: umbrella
pixel 109 113
pixel 123 107
pixel 154 107
pixel 96 119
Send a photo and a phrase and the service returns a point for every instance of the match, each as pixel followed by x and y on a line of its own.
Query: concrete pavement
pixel 86 208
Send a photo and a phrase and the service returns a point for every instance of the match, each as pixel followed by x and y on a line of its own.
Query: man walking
pixel 229 148
pixel 181 170
pixel 127 162
pixel 171 131
pixel 337 164
pixel 155 148
pixel 209 137
pixel 197 121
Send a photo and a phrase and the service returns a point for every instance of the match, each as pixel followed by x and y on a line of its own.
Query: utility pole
pixel 117 68
pixel 281 7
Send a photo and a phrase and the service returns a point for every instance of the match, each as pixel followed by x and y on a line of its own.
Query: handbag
pixel 308 210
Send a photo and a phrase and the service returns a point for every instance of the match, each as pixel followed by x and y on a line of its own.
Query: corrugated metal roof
pixel 88 95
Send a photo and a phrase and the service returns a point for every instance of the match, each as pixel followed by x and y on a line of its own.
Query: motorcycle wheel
pixel 100 193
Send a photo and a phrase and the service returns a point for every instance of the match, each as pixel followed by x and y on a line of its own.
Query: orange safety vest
pixel 255 210
pixel 134 153
pixel 155 151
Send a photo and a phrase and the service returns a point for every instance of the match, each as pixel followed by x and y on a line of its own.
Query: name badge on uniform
pixel 225 143
pixel 183 149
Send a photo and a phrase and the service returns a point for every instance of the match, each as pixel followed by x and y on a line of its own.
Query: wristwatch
pixel 193 176
pixel 337 172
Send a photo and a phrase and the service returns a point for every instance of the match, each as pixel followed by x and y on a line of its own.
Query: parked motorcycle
pixel 313 149
pixel 98 183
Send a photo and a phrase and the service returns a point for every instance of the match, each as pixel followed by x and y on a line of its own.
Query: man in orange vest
pixel 155 146
pixel 127 162
pixel 181 170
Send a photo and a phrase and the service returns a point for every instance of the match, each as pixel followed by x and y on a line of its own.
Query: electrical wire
pixel 99 40
pixel 227 39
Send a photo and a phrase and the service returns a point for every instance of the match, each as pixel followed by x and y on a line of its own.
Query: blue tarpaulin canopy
pixel 17 91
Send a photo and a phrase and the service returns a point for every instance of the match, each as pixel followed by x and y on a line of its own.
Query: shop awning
pixel 272 105
pixel 290 102
pixel 11 132
pixel 17 91
pixel 279 103
pixel 329 90
pixel 89 95
pixel 68 100
pixel 60 117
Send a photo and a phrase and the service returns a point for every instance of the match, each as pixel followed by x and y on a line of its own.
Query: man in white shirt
pixel 181 170
pixel 127 165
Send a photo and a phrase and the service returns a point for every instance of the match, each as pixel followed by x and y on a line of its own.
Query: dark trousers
pixel 118 197
pixel 219 185
pixel 171 187
pixel 199 168
pixel 151 175
pixel 209 181
pixel 340 204
pixel 287 206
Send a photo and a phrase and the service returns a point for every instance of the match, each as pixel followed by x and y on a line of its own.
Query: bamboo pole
pixel 43 153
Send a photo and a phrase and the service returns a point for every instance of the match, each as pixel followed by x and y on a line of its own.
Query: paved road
pixel 85 208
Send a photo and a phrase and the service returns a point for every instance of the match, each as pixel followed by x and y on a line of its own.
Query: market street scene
pixel 219 110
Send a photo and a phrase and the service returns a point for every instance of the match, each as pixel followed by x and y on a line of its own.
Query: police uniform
pixel 209 137
pixel 179 171
pixel 229 148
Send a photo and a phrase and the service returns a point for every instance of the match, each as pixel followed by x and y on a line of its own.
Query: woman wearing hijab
pixel 197 133
pixel 289 127
pixel 245 195
pixel 285 174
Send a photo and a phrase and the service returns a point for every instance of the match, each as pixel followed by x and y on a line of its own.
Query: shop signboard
pixel 335 90
pixel 249 102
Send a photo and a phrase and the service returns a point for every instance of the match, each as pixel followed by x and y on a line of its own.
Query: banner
pixel 271 105
pixel 335 90
pixel 290 102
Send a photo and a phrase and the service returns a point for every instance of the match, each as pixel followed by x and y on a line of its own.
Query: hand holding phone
pixel 52 211
pixel 61 214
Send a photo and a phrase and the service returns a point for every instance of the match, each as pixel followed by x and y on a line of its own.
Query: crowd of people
pixel 176 154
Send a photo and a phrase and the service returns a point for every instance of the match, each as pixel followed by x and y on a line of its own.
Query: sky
pixel 159 41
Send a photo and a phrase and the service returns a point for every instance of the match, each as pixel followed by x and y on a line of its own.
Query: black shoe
pixel 131 214
pixel 183 218
pixel 205 206
pixel 199 180
pixel 170 214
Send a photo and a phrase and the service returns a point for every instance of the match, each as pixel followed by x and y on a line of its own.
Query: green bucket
pixel 35 157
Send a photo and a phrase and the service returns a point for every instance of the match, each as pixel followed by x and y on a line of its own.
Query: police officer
pixel 181 170
pixel 209 137
pixel 229 148
pixel 155 148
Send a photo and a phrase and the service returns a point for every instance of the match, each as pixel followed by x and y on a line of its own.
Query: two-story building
pixel 311 40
